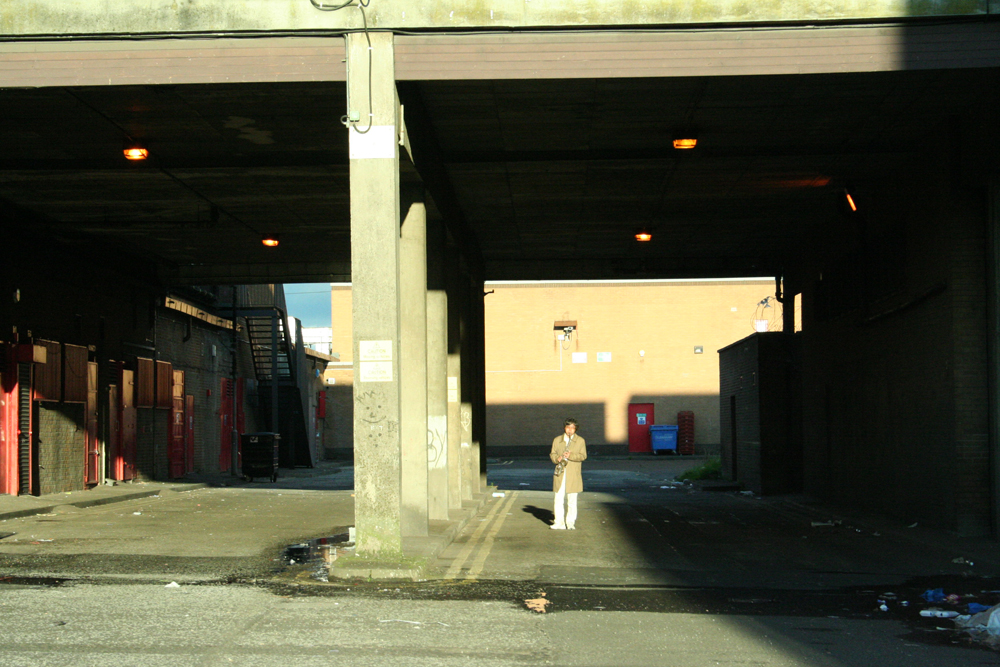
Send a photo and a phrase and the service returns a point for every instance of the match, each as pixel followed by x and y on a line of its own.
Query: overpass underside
pixel 418 163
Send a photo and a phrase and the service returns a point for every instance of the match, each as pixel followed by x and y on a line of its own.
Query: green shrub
pixel 710 469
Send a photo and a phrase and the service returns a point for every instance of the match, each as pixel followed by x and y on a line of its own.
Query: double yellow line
pixel 482 538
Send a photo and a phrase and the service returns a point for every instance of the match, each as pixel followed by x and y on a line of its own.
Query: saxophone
pixel 561 466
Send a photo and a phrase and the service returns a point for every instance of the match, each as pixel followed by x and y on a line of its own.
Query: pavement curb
pixel 94 502
pixel 419 552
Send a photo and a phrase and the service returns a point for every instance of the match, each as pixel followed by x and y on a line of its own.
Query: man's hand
pixel 565 456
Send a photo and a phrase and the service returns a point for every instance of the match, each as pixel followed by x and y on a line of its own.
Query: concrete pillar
pixel 455 334
pixel 413 368
pixel 437 375
pixel 375 201
pixel 454 431
pixel 470 452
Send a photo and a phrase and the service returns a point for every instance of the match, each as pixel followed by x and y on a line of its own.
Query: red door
pixel 189 433
pixel 8 422
pixel 640 418
pixel 123 464
pixel 17 446
pixel 175 447
pixel 114 431
pixel 240 415
pixel 93 460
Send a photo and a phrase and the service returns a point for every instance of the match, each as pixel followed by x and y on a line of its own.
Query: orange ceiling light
pixel 643 236
pixel 136 153
pixel 850 201
pixel 685 143
pixel 270 240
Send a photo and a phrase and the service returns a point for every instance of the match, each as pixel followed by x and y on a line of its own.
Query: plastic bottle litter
pixel 938 613
pixel 933 594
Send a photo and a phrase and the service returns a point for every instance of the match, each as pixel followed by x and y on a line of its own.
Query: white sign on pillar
pixel 375 358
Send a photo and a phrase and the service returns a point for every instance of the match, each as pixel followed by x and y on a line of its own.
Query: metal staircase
pixel 275 358
pixel 270 347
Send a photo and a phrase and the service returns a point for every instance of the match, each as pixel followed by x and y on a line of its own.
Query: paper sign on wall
pixel 603 357
pixel 375 360
pixel 375 350
pixel 579 357
pixel 376 371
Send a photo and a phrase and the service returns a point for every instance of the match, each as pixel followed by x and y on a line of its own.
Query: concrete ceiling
pixel 552 178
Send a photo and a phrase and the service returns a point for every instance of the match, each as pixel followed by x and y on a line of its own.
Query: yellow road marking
pixel 484 551
pixel 472 542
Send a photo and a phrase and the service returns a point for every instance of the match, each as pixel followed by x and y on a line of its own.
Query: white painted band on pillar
pixel 377 142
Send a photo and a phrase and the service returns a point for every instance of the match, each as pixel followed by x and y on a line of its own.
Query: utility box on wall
pixel 761 412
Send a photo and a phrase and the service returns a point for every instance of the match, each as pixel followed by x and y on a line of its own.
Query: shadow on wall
pixel 527 429
pixel 338 427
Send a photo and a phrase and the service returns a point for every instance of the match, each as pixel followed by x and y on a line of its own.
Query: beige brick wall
pixel 532 383
pixel 340 316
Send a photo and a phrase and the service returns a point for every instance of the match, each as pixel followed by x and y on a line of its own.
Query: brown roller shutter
pixel 48 376
pixel 143 382
pixel 75 374
pixel 164 384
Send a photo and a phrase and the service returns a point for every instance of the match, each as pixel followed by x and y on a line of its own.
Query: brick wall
pixel 760 413
pixel 894 382
pixel 206 358
pixel 532 382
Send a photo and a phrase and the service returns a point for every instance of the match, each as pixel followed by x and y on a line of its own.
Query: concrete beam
pixel 257 274
pixel 35 17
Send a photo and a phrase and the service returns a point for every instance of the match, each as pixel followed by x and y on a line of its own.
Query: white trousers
pixel 561 513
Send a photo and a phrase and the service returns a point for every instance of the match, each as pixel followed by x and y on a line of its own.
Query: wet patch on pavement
pixel 12 582
pixel 901 603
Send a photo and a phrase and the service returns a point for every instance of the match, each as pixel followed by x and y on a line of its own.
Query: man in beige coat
pixel 568 451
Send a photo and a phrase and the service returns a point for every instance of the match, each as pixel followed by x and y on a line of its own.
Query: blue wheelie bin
pixel 663 438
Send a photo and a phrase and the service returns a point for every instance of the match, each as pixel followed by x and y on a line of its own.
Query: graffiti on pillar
pixel 371 406
pixel 435 447
pixel 372 411
pixel 466 419
pixel 437 441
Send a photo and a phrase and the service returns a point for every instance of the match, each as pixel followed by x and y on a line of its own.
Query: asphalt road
pixel 656 574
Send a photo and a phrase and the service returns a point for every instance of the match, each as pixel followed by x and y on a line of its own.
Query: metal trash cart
pixel 260 455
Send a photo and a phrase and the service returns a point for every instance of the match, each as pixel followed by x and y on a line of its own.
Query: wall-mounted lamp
pixel 270 240
pixel 564 329
pixel 135 152
pixel 642 353
pixel 643 236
